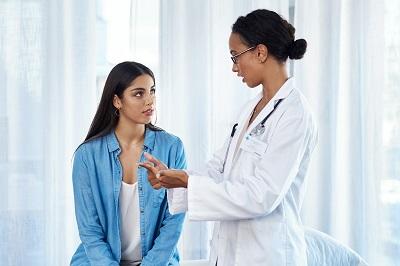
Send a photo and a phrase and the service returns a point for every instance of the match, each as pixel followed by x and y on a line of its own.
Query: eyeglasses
pixel 234 57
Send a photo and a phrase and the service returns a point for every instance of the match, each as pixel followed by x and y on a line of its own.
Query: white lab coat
pixel 256 201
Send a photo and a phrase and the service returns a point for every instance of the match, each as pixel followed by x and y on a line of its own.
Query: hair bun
pixel 298 49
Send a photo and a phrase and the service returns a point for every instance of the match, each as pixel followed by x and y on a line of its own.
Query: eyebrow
pixel 142 89
pixel 138 89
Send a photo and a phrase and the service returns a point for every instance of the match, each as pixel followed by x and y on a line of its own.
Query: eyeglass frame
pixel 234 57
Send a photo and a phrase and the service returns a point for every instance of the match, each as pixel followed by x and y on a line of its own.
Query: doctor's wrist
pixel 185 178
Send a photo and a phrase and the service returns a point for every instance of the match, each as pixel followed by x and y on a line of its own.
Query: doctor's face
pixel 138 101
pixel 246 66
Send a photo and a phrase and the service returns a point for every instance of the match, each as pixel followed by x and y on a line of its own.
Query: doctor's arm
pixel 166 241
pixel 91 233
pixel 259 193
pixel 214 167
pixel 177 194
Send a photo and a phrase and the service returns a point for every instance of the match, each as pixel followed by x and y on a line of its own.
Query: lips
pixel 148 112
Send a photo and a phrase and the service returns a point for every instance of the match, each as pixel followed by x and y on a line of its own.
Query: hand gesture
pixel 153 166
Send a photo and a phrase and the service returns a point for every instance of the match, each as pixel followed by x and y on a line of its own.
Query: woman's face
pixel 247 64
pixel 138 100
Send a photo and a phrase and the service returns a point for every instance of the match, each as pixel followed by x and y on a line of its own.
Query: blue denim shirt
pixel 97 176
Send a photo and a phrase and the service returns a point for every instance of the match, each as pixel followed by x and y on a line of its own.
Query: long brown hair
pixel 119 79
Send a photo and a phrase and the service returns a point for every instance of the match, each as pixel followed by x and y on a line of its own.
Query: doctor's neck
pixel 275 76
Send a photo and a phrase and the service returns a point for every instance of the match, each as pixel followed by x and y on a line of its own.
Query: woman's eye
pixel 153 91
pixel 138 94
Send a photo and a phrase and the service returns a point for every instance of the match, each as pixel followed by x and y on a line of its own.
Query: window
pixel 22 213
pixel 127 31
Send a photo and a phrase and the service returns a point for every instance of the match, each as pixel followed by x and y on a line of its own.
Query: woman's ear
pixel 117 102
pixel 262 53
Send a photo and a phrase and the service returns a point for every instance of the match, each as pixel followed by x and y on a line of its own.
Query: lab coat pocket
pixel 254 146
pixel 268 237
pixel 158 197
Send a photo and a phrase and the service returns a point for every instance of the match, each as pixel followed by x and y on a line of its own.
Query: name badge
pixel 251 144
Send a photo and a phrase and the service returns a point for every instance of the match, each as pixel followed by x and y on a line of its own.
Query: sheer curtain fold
pixel 69 69
pixel 47 97
pixel 68 105
pixel 340 75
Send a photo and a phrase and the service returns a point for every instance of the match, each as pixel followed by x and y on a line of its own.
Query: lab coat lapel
pixel 264 112
pixel 242 123
pixel 282 93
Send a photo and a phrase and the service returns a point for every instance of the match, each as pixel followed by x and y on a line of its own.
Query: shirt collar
pixel 149 140
pixel 285 90
pixel 282 93
pixel 112 142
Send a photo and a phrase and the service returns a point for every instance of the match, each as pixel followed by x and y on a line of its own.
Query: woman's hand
pixel 153 166
pixel 159 175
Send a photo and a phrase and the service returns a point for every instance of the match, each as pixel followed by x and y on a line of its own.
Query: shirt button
pixel 140 188
pixel 141 210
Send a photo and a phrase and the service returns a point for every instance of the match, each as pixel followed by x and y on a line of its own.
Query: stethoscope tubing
pixel 261 124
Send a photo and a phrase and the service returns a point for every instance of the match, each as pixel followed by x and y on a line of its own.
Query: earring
pixel 116 112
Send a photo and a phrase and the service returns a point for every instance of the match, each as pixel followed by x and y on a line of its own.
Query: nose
pixel 150 99
pixel 235 68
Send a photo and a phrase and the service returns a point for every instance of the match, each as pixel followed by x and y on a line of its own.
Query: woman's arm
pixel 260 192
pixel 165 244
pixel 91 233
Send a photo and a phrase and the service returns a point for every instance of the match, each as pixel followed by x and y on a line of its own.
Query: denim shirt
pixel 97 177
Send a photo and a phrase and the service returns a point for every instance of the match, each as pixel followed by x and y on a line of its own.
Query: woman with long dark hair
pixel 254 185
pixel 121 219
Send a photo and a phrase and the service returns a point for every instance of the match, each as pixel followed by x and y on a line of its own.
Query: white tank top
pixel 131 252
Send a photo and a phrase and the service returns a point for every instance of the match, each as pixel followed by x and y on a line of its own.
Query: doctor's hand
pixel 173 178
pixel 153 166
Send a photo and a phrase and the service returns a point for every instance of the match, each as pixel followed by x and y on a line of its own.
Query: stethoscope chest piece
pixel 258 130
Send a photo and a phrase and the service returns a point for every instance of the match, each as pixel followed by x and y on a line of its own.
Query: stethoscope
pixel 257 131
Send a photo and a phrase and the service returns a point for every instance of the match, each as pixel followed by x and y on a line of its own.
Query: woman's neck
pixel 273 82
pixel 129 134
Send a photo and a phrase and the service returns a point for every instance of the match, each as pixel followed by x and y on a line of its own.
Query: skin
pixel 160 176
pixel 136 108
pixel 255 67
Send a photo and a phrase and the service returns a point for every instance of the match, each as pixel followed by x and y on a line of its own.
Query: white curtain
pixel 199 96
pixel 342 76
pixel 48 53
pixel 47 98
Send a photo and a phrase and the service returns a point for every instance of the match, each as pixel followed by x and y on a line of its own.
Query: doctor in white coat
pixel 253 187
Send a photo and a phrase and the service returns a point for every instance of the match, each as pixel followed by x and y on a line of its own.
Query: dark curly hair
pixel 267 27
